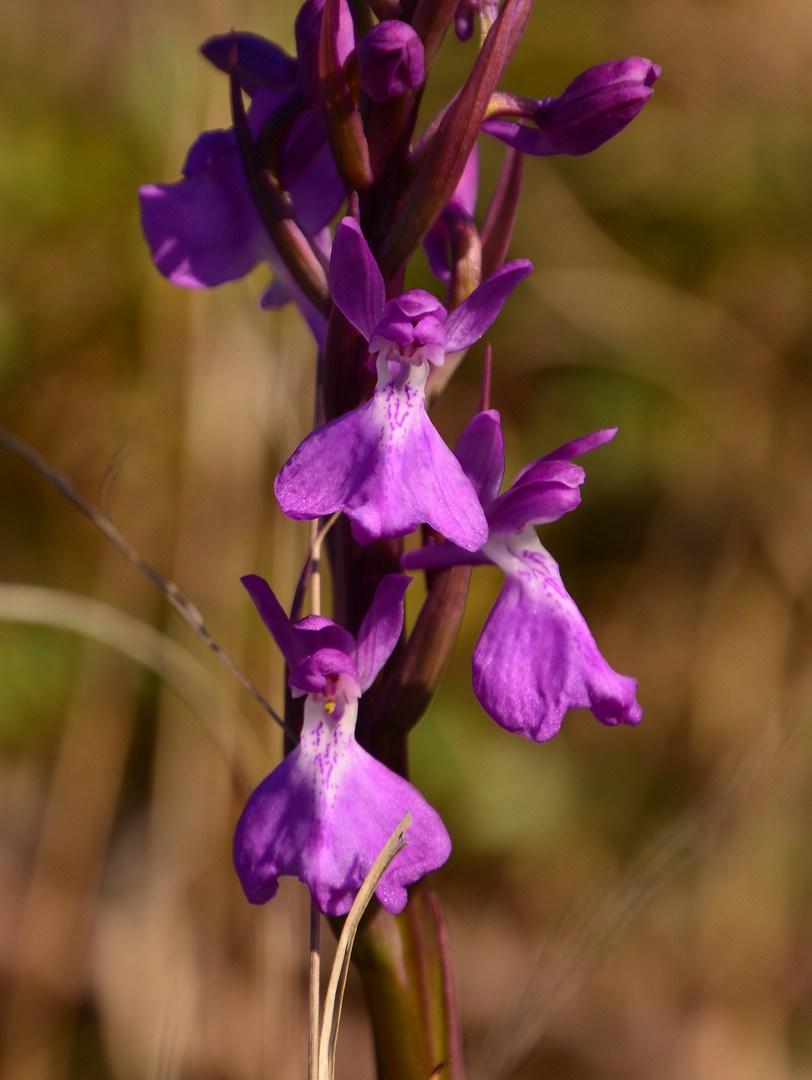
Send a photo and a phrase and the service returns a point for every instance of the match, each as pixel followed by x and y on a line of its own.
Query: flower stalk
pixel 335 126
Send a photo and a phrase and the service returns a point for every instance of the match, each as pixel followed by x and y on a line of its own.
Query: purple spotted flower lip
pixel 536 657
pixel 326 812
pixel 205 229
pixel 593 109
pixel 384 464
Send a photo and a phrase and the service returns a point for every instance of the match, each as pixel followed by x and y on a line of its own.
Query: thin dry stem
pixel 338 976
pixel 184 607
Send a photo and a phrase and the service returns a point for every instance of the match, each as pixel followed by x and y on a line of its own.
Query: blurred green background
pixel 622 903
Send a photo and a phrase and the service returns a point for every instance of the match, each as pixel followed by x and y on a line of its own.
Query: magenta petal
pixel 274 828
pixel 356 283
pixel 324 815
pixel 381 628
pixel 551 470
pixel 536 503
pixel 385 465
pixel 477 313
pixel 541 468
pixel 205 230
pixel 582 445
pixel 481 452
pixel 272 614
pixel 536 657
pixel 260 63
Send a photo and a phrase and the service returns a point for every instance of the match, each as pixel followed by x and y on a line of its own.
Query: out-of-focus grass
pixel 671 297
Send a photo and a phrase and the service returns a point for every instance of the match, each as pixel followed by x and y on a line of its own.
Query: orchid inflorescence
pixel 336 126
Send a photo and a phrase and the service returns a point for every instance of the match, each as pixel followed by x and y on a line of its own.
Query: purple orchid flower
pixel 593 109
pixel 205 230
pixel 324 814
pixel 384 464
pixel 390 60
pixel 536 657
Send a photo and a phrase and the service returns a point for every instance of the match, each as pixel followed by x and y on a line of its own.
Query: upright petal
pixel 481 452
pixel 541 467
pixel 312 675
pixel 535 503
pixel 272 614
pixel 379 632
pixel 536 657
pixel 477 313
pixel 356 283
pixel 582 445
pixel 260 63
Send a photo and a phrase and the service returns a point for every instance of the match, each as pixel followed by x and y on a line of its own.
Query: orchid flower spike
pixel 536 657
pixel 593 109
pixel 324 814
pixel 205 229
pixel 384 464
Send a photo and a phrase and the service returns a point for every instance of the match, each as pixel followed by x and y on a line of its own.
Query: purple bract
pixel 536 657
pixel 324 814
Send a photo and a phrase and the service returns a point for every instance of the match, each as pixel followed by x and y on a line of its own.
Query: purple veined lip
pixel 536 657
pixel 324 814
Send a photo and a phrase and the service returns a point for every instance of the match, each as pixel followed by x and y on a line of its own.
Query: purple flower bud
pixel 390 59
pixel 308 30
pixel 593 109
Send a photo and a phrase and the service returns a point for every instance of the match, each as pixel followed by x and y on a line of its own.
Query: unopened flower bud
pixel 308 29
pixel 390 59
pixel 593 109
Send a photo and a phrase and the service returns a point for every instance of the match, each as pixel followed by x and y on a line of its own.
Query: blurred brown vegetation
pixel 622 903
